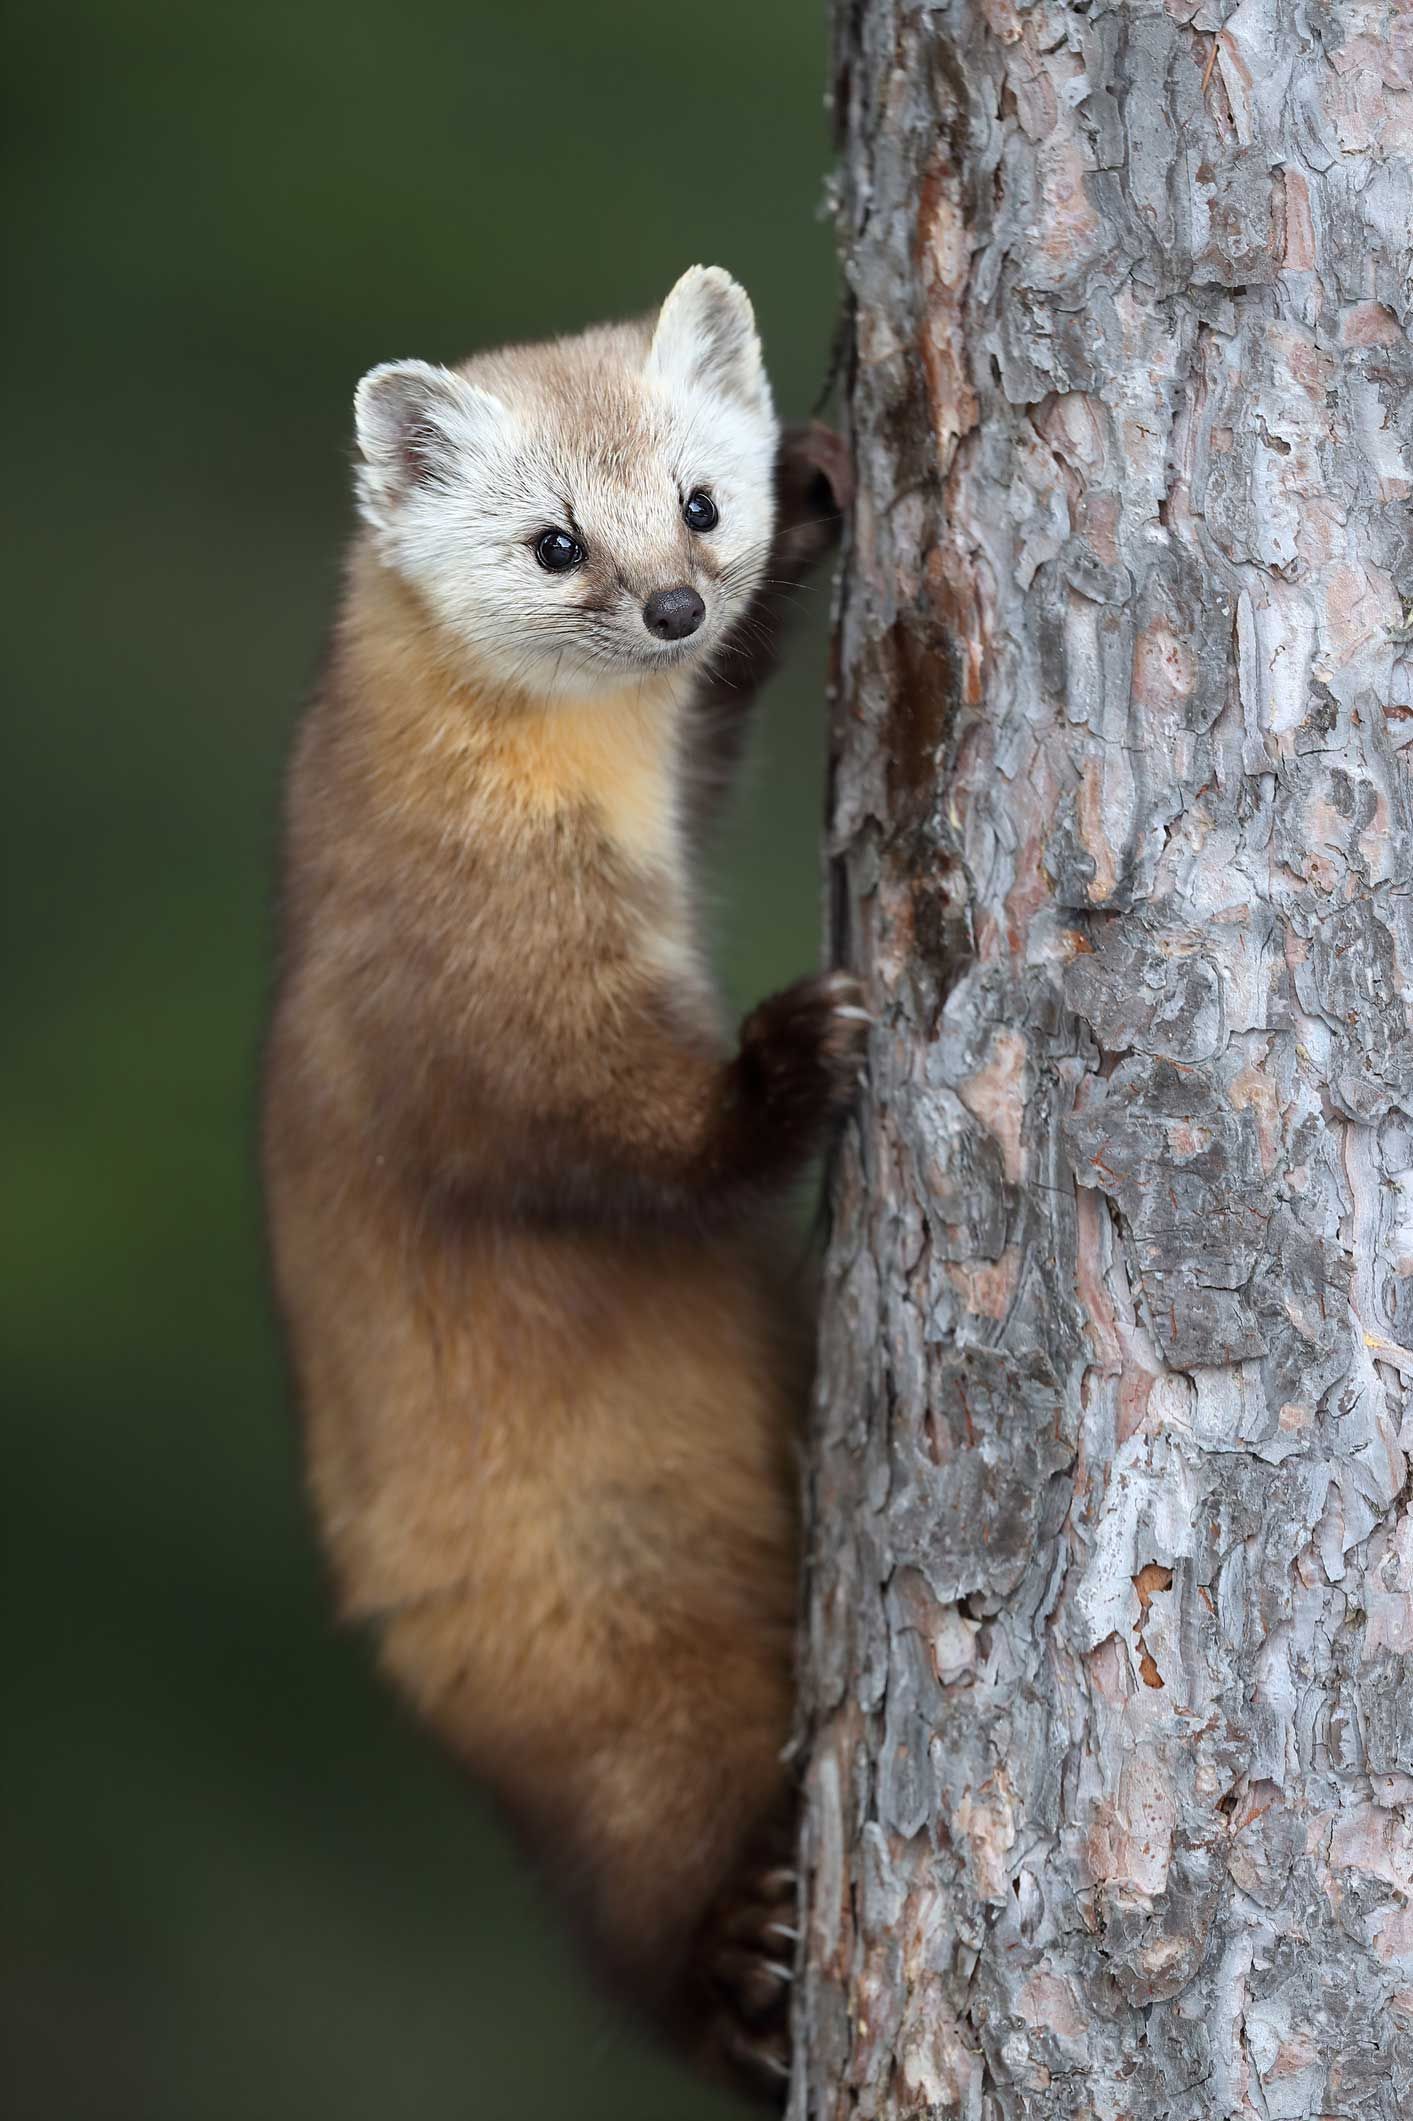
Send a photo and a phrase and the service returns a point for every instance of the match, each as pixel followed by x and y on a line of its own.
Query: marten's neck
pixel 439 743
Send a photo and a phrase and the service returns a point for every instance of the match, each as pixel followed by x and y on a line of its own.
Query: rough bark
pixel 1110 1744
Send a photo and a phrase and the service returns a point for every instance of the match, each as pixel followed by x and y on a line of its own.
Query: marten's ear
pixel 706 335
pixel 415 424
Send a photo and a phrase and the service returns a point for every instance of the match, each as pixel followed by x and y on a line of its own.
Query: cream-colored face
pixel 585 514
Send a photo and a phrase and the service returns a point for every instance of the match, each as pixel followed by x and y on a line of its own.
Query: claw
pixel 783 1879
pixel 757 2057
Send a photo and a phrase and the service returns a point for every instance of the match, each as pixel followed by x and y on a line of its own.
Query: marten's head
pixel 580 515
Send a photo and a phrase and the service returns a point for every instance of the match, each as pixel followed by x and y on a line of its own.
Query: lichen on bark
pixel 1110 1606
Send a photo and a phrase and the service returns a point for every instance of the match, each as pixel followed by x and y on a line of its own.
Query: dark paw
pixel 802 1051
pixel 749 1967
pixel 813 472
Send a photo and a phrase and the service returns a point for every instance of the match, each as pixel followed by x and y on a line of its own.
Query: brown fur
pixel 523 1209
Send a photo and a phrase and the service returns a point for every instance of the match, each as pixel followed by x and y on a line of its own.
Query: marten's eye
pixel 699 511
pixel 557 552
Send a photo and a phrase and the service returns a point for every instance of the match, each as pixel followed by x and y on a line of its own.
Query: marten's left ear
pixel 417 425
pixel 706 335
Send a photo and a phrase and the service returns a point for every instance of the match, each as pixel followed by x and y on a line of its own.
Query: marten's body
pixel 524 1193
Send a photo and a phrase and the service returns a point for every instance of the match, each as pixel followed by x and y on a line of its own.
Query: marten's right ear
pixel 415 424
pixel 706 336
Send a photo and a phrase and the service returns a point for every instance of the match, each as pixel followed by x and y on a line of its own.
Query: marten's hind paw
pixel 749 1964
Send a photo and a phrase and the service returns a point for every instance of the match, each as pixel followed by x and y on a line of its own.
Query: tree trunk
pixel 1110 1746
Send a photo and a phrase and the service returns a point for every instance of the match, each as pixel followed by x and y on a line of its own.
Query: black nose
pixel 673 613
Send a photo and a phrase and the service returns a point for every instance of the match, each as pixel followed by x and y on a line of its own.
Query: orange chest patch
pixel 615 756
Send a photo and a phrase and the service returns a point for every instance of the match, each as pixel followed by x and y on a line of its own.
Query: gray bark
pixel 1109 1727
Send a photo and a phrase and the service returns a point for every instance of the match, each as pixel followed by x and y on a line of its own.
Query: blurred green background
pixel 237 1883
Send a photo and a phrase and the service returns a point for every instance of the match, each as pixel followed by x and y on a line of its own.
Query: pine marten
pixel 525 1195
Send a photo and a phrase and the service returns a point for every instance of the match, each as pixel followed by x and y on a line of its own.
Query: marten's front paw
pixel 814 486
pixel 802 1051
